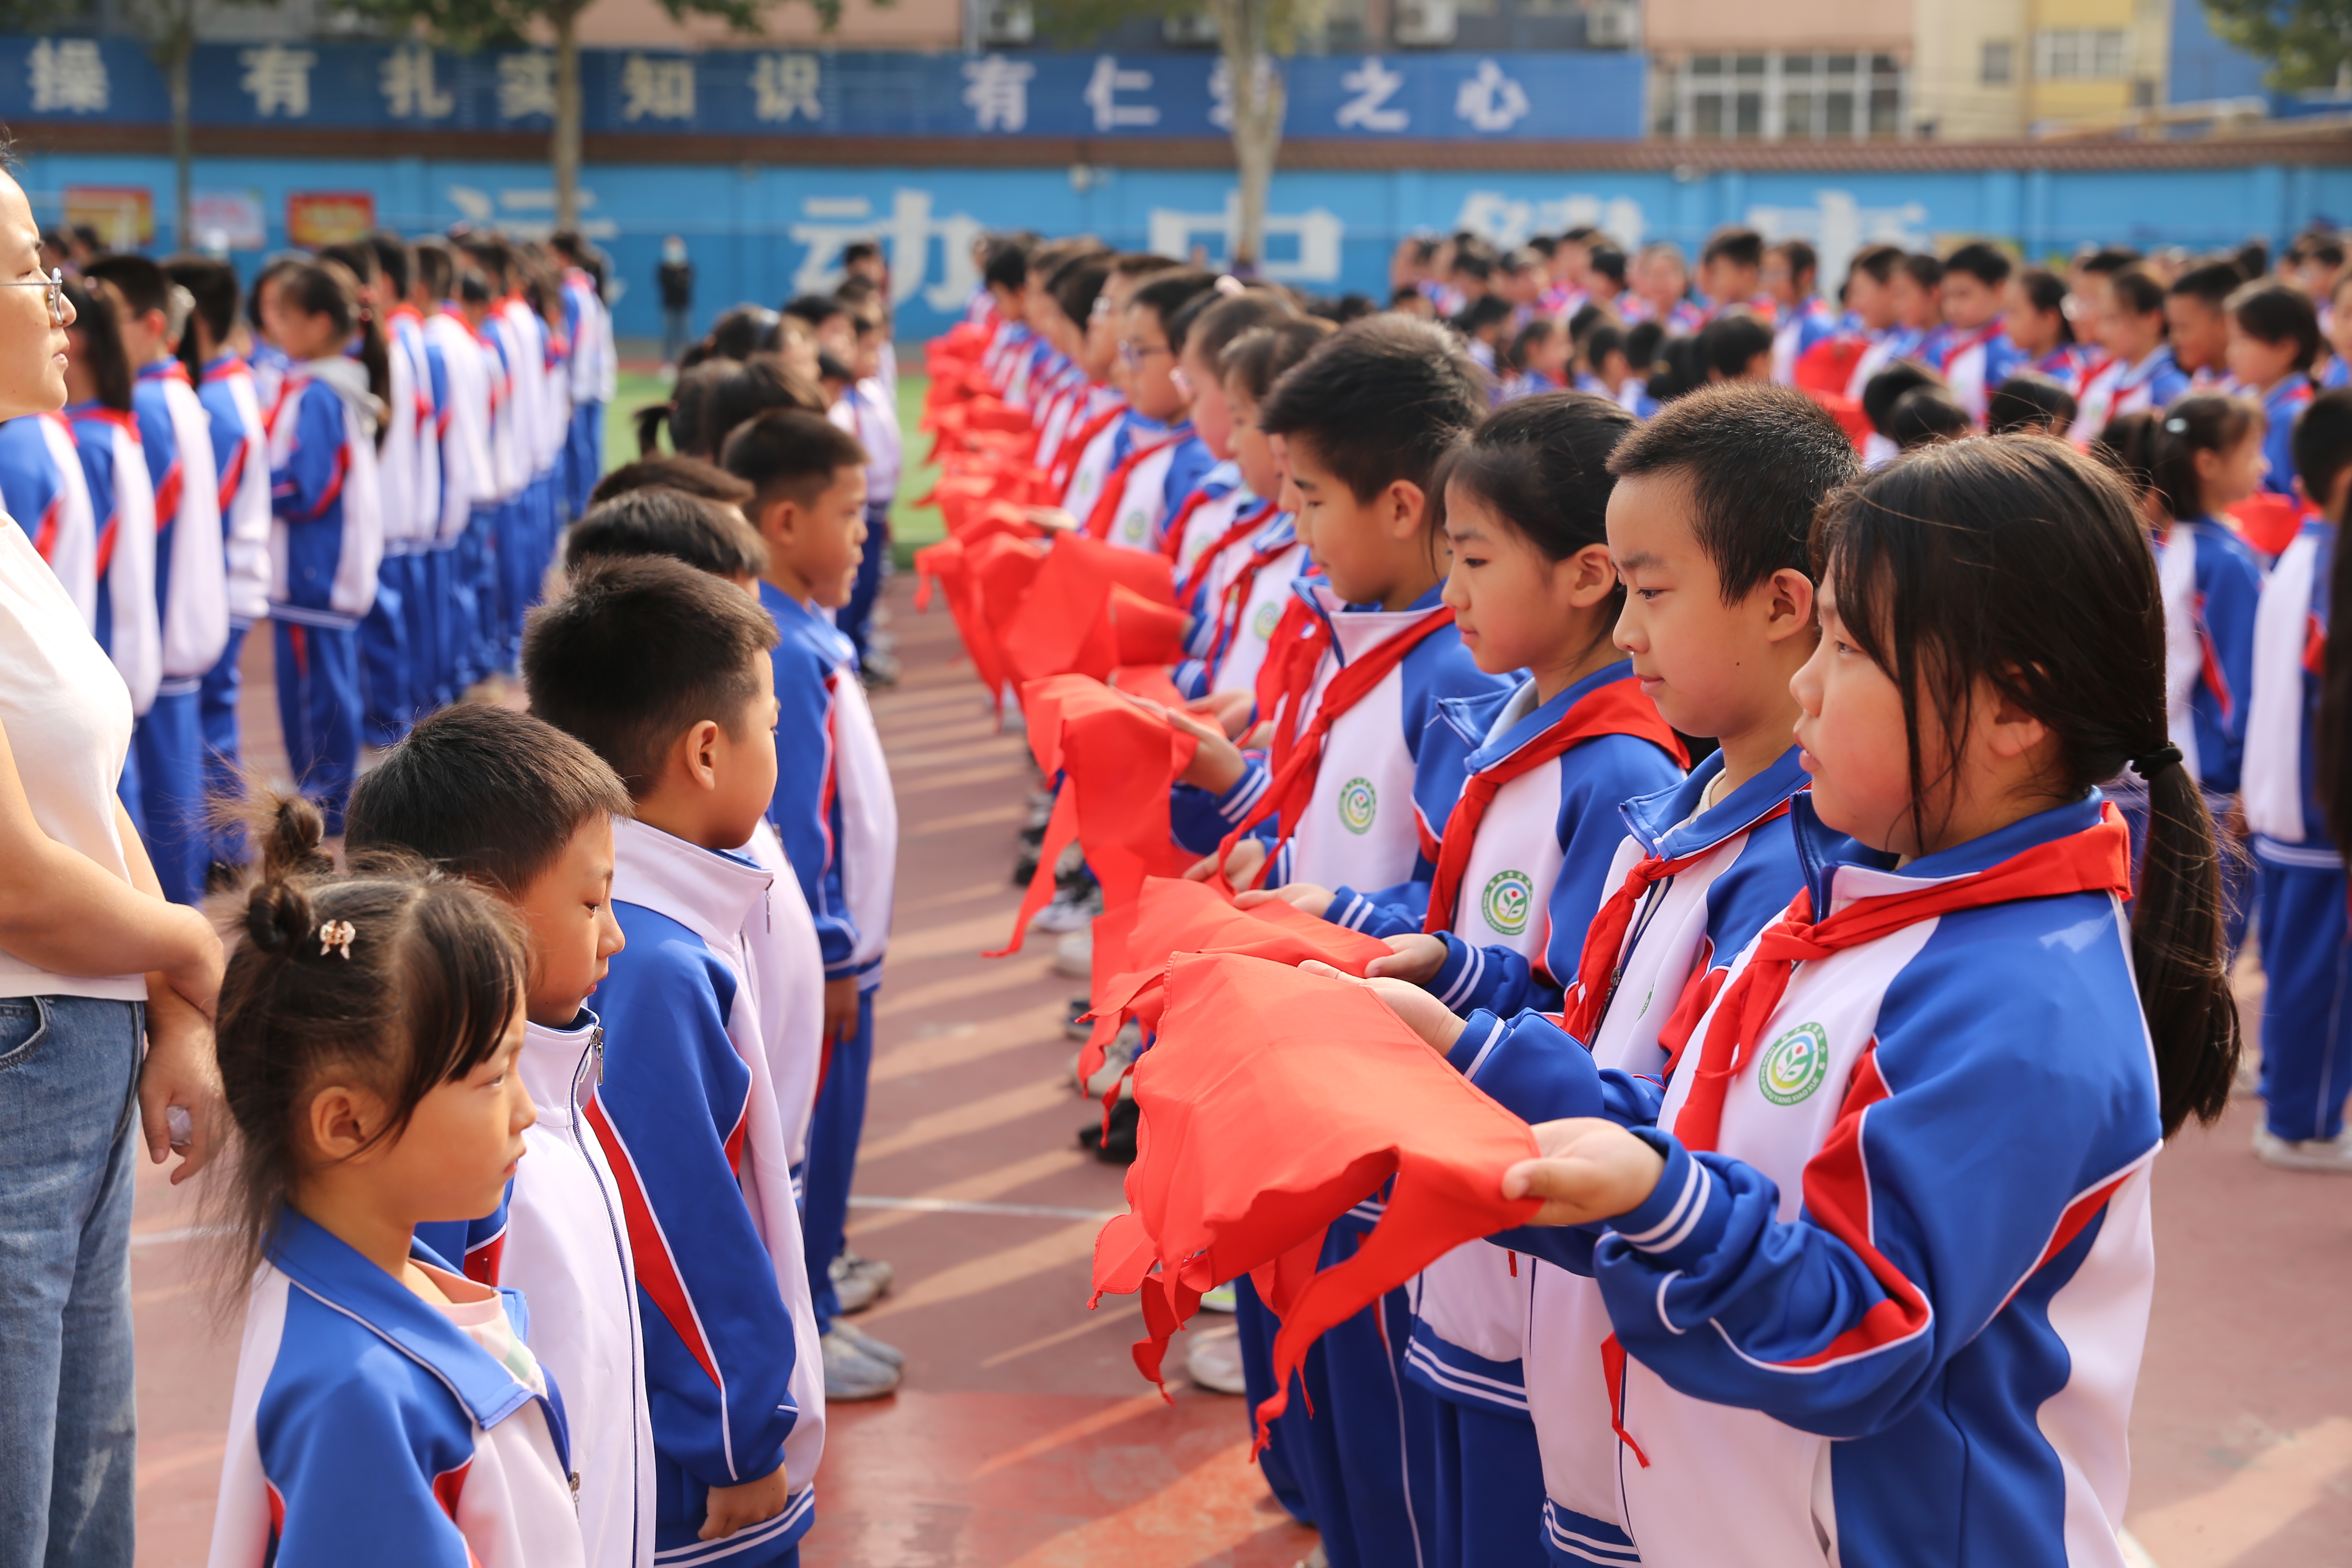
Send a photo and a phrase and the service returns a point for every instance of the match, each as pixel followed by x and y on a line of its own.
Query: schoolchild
pixel 1521 858
pixel 1707 524
pixel 2339 338
pixel 834 810
pixel 241 462
pixel 477 590
pixel 41 482
pixel 1090 452
pixel 411 469
pixel 694 476
pixel 1919 290
pixel 1237 594
pixel 1161 457
pixel 1872 314
pixel 2274 342
pixel 1801 318
pixel 2139 372
pixel 664 672
pixel 1218 510
pixel 1661 288
pixel 2197 323
pixel 388 704
pixel 2188 466
pixel 127 622
pixel 2298 868
pixel 1975 356
pixel 1004 273
pixel 594 364
pixel 386 1410
pixel 869 411
pixel 1731 274
pixel 1733 346
pixel 190 566
pixel 1539 359
pixel 1085 393
pixel 2029 400
pixel 708 535
pixel 268 360
pixel 328 538
pixel 2034 318
pixel 522 809
pixel 462 402
pixel 1367 657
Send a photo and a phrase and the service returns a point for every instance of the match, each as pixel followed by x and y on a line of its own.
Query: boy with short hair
pixel 511 802
pixel 1791 276
pixel 1732 273
pixel 1157 457
pixel 663 671
pixel 673 471
pixel 708 535
pixel 833 808
pixel 2197 322
pixel 2273 341
pixel 1972 354
pixel 1707 526
pixel 191 572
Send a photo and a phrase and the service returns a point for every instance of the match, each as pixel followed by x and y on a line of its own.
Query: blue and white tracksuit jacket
pixel 1798 330
pixel 42 487
pixel 1110 449
pixel 1226 653
pixel 2282 404
pixel 690 1126
pixel 241 463
pixel 1975 364
pixel 1156 486
pixel 2156 382
pixel 2299 868
pixel 1361 827
pixel 1897 1315
pixel 329 537
pixel 1537 873
pixel 1216 501
pixel 191 559
pixel 2211 585
pixel 367 1428
pixel 1679 946
pixel 127 626
pixel 832 810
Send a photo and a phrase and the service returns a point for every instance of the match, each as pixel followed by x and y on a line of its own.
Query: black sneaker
pixel 1118 1147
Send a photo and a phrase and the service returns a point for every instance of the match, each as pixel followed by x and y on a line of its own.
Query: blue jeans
pixel 68 1433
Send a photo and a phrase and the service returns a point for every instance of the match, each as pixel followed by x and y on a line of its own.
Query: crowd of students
pixel 1998 651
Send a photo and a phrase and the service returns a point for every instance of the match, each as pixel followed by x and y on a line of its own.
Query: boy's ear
pixel 1407 504
pixel 1787 604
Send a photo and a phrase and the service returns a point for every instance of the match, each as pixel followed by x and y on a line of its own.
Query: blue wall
pixel 762 233
pixel 2201 67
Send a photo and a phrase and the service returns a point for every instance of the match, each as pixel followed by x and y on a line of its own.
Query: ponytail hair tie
pixel 2177 425
pixel 2165 756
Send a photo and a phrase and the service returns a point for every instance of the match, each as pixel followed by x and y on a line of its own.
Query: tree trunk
pixel 1258 100
pixel 184 209
pixel 566 150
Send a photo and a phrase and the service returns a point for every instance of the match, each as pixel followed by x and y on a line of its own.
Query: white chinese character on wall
pixel 409 89
pixel 68 74
pixel 785 85
pixel 654 87
pixel 278 78
pixel 1102 96
pixel 910 233
pixel 1220 89
pixel 996 90
pixel 1374 84
pixel 526 85
pixel 1490 101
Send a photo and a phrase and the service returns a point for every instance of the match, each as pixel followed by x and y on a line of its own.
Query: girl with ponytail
pixel 386 1408
pixel 1880 1250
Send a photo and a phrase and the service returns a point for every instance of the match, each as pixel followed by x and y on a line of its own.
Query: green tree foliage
pixel 2309 43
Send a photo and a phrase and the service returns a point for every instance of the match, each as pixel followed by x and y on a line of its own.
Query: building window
pixel 2080 54
pixel 1781 97
pixel 1997 67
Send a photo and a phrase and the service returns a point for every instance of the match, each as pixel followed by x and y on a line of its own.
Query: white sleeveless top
pixel 67 715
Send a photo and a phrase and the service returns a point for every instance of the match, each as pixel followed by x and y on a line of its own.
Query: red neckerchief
pixel 1296 759
pixel 1171 538
pixel 1298 633
pixel 1984 334
pixel 1114 490
pixel 1244 525
pixel 2097 860
pixel 1074 449
pixel 1617 709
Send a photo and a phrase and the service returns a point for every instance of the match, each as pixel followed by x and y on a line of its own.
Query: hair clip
pixel 2177 427
pixel 335 936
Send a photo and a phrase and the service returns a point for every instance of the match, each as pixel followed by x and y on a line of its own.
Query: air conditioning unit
pixel 1424 24
pixel 1005 23
pixel 1613 25
pixel 1189 30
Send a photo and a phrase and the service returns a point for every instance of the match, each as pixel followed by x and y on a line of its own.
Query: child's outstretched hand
pixel 1242 863
pixel 1216 763
pixel 1303 897
pixel 1422 1013
pixel 1589 1170
pixel 731 1508
pixel 1416 958
pixel 1229 711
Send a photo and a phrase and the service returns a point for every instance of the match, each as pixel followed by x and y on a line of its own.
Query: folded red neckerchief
pixel 985 579
pixel 1073 620
pixel 1116 759
pixel 2269 522
pixel 1170 917
pixel 1273 1102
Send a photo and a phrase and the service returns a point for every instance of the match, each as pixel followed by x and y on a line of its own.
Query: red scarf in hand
pixel 1091 608
pixel 1244 1155
pixel 1616 709
pixel 1296 759
pixel 2095 860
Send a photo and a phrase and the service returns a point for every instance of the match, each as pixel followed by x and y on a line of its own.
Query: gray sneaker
pixel 850 1293
pixel 871 1268
pixel 867 1345
pixel 2324 1154
pixel 1213 1361
pixel 850 1374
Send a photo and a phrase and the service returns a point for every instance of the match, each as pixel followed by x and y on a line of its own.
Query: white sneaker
pixel 867 1345
pixel 1117 1057
pixel 1068 912
pixel 850 1374
pixel 1220 1300
pixel 2325 1155
pixel 1074 956
pixel 1213 1361
pixel 869 1268
pixel 852 1294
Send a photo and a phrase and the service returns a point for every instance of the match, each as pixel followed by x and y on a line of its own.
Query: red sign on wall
pixel 314 218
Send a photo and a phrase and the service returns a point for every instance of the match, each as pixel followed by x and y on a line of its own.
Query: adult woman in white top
pixel 105 996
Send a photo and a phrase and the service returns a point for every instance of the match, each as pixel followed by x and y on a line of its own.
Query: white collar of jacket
pixel 1357 631
pixel 1498 723
pixel 1840 872
pixel 348 380
pixel 549 1065
pixel 709 892
pixel 1664 824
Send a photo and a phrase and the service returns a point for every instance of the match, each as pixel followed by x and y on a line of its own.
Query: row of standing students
pixel 1784 996
pixel 377 457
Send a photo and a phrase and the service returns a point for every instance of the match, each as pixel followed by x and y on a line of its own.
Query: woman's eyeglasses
pixel 55 284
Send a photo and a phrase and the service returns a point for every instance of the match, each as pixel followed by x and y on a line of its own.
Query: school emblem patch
pixel 1505 903
pixel 1262 625
pixel 1793 1065
pixel 1359 802
pixel 1135 527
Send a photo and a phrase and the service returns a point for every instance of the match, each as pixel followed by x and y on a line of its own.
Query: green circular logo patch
pixel 1509 897
pixel 1135 526
pixel 1358 803
pixel 1794 1064
pixel 1263 625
